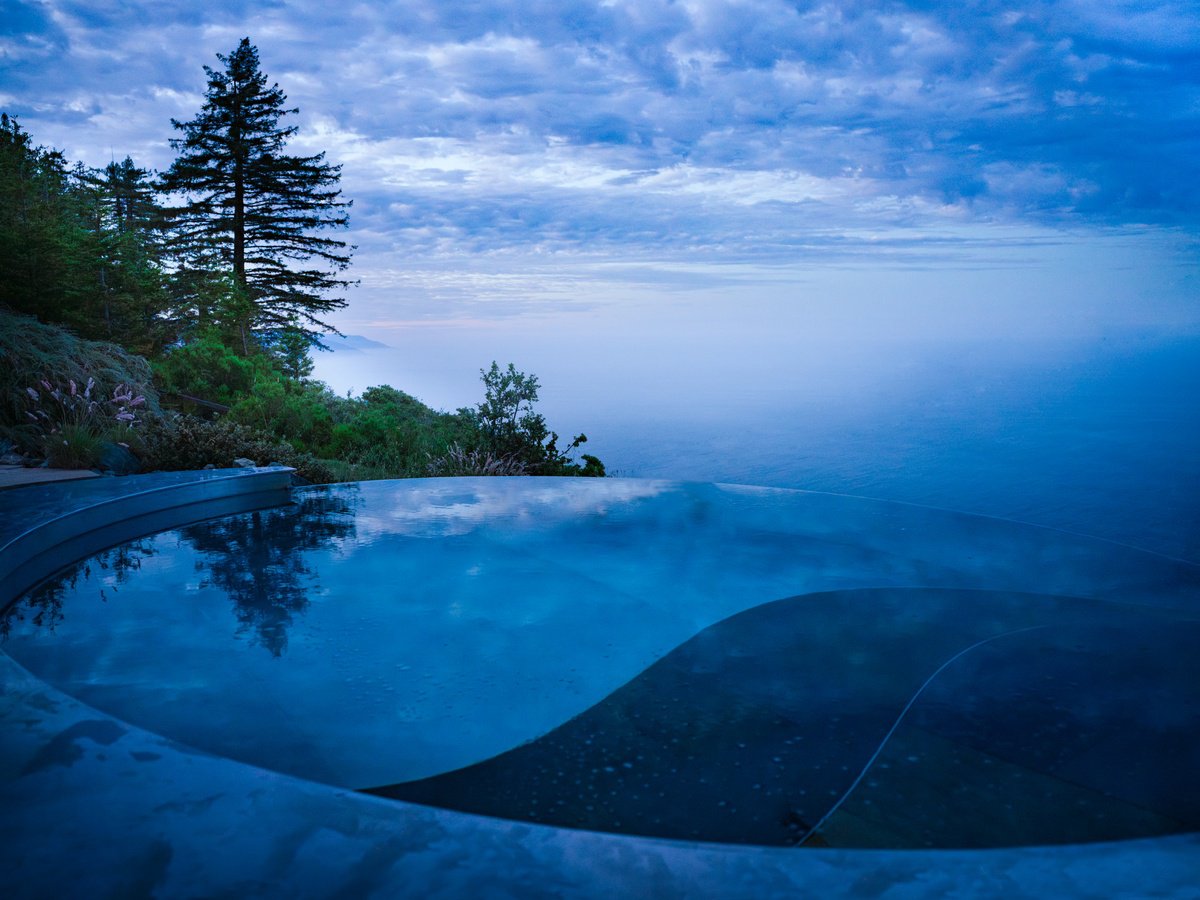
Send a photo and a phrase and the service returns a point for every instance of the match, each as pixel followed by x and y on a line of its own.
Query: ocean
pixel 1098 436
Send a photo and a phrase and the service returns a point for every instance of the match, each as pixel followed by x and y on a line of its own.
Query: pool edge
pixel 132 812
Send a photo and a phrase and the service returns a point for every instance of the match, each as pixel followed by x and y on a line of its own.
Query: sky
pixel 672 194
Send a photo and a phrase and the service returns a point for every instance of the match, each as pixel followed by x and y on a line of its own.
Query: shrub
pixel 388 433
pixel 592 467
pixel 208 369
pixel 288 410
pixel 186 442
pixel 456 462
pixel 509 428
pixel 31 352
pixel 71 425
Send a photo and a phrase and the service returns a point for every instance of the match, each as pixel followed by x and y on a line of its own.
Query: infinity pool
pixel 696 661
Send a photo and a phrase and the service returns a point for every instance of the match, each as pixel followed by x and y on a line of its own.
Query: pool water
pixel 695 661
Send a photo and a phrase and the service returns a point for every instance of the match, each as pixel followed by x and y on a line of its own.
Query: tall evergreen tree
pixel 116 289
pixel 131 276
pixel 132 206
pixel 254 206
pixel 37 227
pixel 78 247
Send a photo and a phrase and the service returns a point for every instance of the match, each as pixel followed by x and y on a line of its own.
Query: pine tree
pixel 78 247
pixel 37 227
pixel 130 255
pixel 253 207
pixel 132 206
pixel 119 293
pixel 290 348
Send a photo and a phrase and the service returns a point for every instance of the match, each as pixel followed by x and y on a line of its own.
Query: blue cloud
pixel 746 127
pixel 24 20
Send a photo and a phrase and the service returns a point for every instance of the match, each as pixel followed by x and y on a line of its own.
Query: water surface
pixel 698 661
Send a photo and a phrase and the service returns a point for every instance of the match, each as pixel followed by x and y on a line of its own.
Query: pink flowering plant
pixel 74 422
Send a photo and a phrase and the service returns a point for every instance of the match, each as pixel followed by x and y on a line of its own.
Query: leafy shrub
pixel 187 442
pixel 31 352
pixel 457 462
pixel 288 410
pixel 510 429
pixel 71 424
pixel 592 467
pixel 206 368
pixel 388 433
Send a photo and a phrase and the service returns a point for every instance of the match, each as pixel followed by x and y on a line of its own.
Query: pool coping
pixel 92 805
pixel 93 509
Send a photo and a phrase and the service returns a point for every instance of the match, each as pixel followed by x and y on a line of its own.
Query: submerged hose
pixel 887 737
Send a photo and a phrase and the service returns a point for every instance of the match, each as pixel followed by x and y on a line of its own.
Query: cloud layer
pixel 742 130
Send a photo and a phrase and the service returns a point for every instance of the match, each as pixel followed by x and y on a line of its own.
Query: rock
pixel 118 460
pixel 210 466
pixel 275 465
pixel 12 459
pixel 243 463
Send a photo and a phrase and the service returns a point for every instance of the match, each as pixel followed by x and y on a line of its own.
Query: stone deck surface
pixel 20 476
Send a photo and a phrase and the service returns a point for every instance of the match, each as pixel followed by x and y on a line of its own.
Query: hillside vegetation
pixel 167 321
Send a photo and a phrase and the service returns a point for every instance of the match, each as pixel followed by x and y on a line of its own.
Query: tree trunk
pixel 239 224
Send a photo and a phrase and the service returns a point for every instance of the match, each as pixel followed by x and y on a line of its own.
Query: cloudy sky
pixel 755 168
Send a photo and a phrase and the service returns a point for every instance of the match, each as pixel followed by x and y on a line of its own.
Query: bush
pixel 71 424
pixel 31 353
pixel 186 442
pixel 388 433
pixel 510 429
pixel 293 412
pixel 74 447
pixel 208 369
pixel 457 462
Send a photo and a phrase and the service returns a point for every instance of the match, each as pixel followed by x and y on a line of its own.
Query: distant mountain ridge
pixel 351 342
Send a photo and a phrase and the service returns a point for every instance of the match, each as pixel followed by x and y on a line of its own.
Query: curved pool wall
pixel 45 527
pixel 95 806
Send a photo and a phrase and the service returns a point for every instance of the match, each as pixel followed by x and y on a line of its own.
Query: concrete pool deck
pixel 23 476
pixel 92 806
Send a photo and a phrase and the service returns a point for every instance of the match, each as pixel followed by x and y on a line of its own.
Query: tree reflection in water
pixel 258 559
pixel 43 606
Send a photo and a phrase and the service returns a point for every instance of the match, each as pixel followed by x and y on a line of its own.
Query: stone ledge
pixel 45 527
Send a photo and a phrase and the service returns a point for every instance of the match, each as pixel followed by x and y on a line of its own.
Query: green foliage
pixel 506 414
pixel 31 353
pixel 509 429
pixel 74 447
pixel 592 467
pixel 77 246
pixel 290 347
pixel 125 294
pixel 36 224
pixel 204 299
pixel 186 442
pixel 251 208
pixel 390 432
pixel 295 412
pixel 207 368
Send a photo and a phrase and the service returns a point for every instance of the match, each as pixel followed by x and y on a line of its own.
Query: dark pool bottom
pixel 878 719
